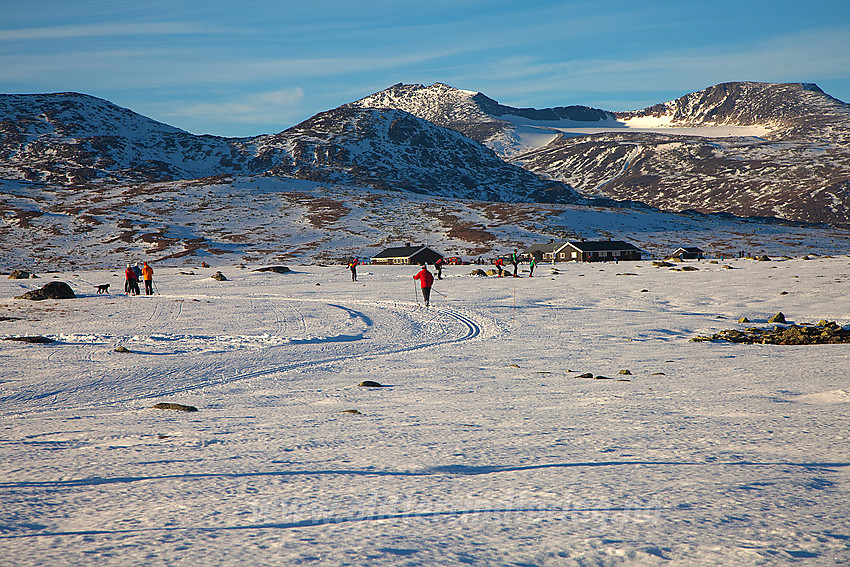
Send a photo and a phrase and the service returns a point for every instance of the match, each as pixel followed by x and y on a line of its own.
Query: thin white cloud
pixel 104 29
pixel 802 57
pixel 256 108
pixel 159 68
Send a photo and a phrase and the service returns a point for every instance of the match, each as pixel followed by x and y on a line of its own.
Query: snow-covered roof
pixel 401 251
pixel 597 245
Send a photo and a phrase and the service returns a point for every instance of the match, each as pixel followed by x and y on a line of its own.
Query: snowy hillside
pixel 271 219
pixel 396 151
pixel 750 149
pixel 564 419
pixel 70 138
pixel 785 110
pixel 83 180
pixel 78 140
pixel 504 129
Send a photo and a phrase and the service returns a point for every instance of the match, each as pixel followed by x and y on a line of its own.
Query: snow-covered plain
pixel 486 448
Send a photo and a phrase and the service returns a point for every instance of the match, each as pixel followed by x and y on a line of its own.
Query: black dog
pixel 103 288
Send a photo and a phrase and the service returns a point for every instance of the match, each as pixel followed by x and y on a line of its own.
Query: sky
pixel 258 67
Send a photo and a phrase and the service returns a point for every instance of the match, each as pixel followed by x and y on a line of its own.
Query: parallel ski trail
pixel 471 330
pixel 456 327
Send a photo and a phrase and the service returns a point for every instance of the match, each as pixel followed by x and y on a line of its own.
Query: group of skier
pixel 133 274
pixel 514 259
pixel 426 278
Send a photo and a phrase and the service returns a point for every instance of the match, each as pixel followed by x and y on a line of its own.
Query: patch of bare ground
pixel 190 247
pixel 221 179
pixel 237 238
pixel 469 232
pixel 323 212
pixel 24 218
pixel 513 213
pixel 320 212
pixel 372 198
pixel 158 240
pixel 127 236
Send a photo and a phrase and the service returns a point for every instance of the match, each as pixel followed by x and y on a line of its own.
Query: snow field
pixel 486 447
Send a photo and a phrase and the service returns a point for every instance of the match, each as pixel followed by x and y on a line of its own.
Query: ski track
pixel 412 317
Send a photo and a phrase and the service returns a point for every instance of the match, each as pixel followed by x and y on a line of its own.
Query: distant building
pixel 582 251
pixel 688 253
pixel 600 251
pixel 407 254
pixel 542 252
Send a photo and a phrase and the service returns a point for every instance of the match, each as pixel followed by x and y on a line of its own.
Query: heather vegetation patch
pixel 825 332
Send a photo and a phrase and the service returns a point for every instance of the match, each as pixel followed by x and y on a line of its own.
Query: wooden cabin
pixel 407 254
pixel 688 253
pixel 597 251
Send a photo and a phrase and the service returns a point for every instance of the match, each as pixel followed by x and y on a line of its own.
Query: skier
pixel 147 275
pixel 353 267
pixel 426 280
pixel 531 267
pixel 439 265
pixel 128 275
pixel 499 264
pixel 515 262
pixel 131 285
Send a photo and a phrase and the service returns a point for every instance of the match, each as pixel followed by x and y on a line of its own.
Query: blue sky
pixel 247 67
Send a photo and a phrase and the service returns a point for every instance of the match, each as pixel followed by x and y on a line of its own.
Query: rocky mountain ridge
pixel 389 149
pixel 73 139
pixel 433 144
pixel 689 153
pixel 474 114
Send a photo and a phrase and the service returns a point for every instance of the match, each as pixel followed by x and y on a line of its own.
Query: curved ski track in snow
pixel 368 329
pixel 471 330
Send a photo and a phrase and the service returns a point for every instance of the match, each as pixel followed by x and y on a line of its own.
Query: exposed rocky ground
pixel 824 332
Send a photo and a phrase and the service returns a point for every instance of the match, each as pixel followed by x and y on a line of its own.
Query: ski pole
pixel 415 292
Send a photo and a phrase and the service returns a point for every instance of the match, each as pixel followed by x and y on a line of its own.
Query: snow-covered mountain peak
pixel 438 103
pixel 77 115
pixel 504 129
pixel 389 148
pixel 782 107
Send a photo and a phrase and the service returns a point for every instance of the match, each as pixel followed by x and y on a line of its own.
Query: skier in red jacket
pixel 500 265
pixel 131 285
pixel 426 280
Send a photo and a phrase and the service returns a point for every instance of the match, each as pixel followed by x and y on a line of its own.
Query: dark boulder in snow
pixel 20 275
pixel 37 339
pixel 778 318
pixel 173 406
pixel 53 290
